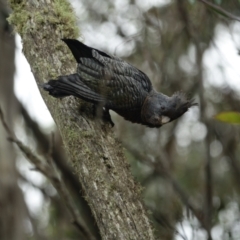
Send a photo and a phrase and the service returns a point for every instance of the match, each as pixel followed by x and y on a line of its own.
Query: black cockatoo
pixel 117 85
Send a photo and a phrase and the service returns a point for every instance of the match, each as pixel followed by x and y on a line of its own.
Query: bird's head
pixel 159 109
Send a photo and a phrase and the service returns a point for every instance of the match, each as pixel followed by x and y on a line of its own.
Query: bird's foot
pixel 103 113
pixel 107 117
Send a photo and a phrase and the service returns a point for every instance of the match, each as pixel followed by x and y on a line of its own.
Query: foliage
pixel 229 117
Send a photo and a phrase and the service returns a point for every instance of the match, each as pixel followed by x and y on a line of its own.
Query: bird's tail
pixel 71 85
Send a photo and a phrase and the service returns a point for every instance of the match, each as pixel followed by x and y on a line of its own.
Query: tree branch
pixel 220 10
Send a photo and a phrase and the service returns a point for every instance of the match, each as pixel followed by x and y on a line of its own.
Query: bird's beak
pixel 165 119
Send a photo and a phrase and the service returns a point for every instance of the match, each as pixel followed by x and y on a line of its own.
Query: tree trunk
pixel 96 156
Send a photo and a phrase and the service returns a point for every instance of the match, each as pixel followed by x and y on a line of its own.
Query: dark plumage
pixel 117 85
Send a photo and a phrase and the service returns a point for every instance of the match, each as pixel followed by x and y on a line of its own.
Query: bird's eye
pixel 162 108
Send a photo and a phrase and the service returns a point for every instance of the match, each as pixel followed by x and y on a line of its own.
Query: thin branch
pixel 4 123
pixel 220 10
pixel 51 145
pixel 51 174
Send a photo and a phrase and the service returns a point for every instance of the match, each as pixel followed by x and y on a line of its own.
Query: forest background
pixel 189 169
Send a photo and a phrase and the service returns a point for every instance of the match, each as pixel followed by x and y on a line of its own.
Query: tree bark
pixel 96 156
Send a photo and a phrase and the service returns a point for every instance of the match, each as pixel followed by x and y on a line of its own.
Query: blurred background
pixel 190 168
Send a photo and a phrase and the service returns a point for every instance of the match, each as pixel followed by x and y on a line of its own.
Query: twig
pixel 50 173
pixel 51 145
pixel 49 156
pixel 220 10
pixel 4 123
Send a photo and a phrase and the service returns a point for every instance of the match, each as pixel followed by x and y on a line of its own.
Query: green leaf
pixel 229 117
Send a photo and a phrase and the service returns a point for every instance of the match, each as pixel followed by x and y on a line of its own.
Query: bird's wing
pixel 123 85
pixel 80 50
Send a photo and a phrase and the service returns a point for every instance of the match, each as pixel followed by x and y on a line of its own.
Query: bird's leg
pixel 102 112
pixel 107 117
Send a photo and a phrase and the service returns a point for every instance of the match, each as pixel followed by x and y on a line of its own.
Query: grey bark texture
pixel 96 156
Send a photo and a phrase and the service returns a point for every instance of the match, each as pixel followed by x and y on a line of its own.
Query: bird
pixel 114 84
